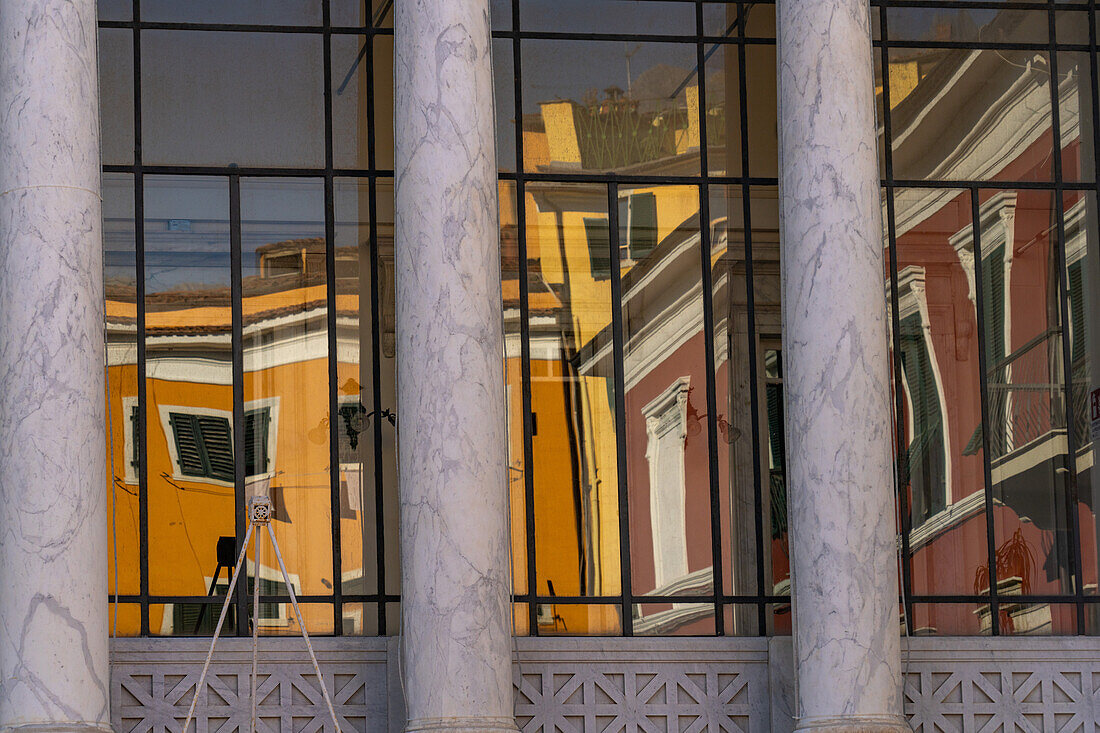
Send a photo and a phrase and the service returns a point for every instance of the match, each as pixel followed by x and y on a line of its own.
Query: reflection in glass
pixel 120 290
pixel 674 619
pixel 1082 257
pixel 253 12
pixel 725 95
pixel 734 368
pixel 608 16
pixel 350 95
pixel 1026 425
pixel 969 25
pixel 268 111
pixel 576 619
pixel 285 340
pixel 116 89
pixel 970 114
pixel 575 475
pixel 942 468
pixel 189 387
pixel 602 106
pixel 510 273
pixel 665 371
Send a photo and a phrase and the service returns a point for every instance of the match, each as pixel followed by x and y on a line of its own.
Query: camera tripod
pixel 259 515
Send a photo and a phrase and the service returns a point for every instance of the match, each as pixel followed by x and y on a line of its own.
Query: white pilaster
pixel 842 516
pixel 53 529
pixel 452 440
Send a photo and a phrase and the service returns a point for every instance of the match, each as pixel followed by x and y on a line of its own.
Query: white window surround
pixel 913 299
pixel 129 476
pixel 666 431
pixel 272 403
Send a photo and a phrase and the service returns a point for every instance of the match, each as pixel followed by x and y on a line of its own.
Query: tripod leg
pixel 218 628
pixel 255 626
pixel 302 626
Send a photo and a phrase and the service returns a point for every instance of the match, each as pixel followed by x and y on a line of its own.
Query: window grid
pixel 739 39
pixel 883 43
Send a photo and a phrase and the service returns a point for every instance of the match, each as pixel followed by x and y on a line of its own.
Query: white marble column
pixel 452 441
pixel 53 528
pixel 842 516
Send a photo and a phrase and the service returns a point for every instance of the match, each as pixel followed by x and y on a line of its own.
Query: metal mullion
pixel 750 313
pixel 979 46
pixel 219 27
pixel 376 341
pixel 1064 316
pixel 620 405
pixel 717 570
pixel 237 308
pixel 525 337
pixel 139 266
pixel 251 172
pixel 632 179
pixel 991 185
pixel 376 397
pixel 333 355
pixel 983 358
pixel 900 449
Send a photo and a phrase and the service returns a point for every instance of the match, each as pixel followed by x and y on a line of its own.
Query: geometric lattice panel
pixel 156 699
pixel 153 682
pixel 634 699
pixel 1003 697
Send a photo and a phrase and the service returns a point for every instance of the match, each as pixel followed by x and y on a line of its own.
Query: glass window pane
pixel 510 273
pixel 608 16
pixel 602 106
pixel 116 89
pixel 286 387
pixel 723 19
pixel 970 114
pixel 674 619
pixel 215 98
pixel 967 25
pixel 936 353
pixel 575 619
pixel 575 474
pixel 1075 116
pixel 747 342
pixel 252 12
pixel 365 429
pixel 350 94
pixel 1082 252
pixel 1025 378
pixel 120 290
pixel 188 380
pixel 665 368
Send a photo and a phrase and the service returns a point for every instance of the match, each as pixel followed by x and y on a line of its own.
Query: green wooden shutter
pixel 993 304
pixel 256 425
pixel 189 450
pixel 926 461
pixel 643 225
pixel 599 247
pixel 1077 309
pixel 217 442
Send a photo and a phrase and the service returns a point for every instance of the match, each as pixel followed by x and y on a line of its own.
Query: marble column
pixel 842 516
pixel 452 439
pixel 53 528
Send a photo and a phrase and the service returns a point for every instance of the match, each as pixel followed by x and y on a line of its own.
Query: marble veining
pixel 452 438
pixel 53 573
pixel 842 516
